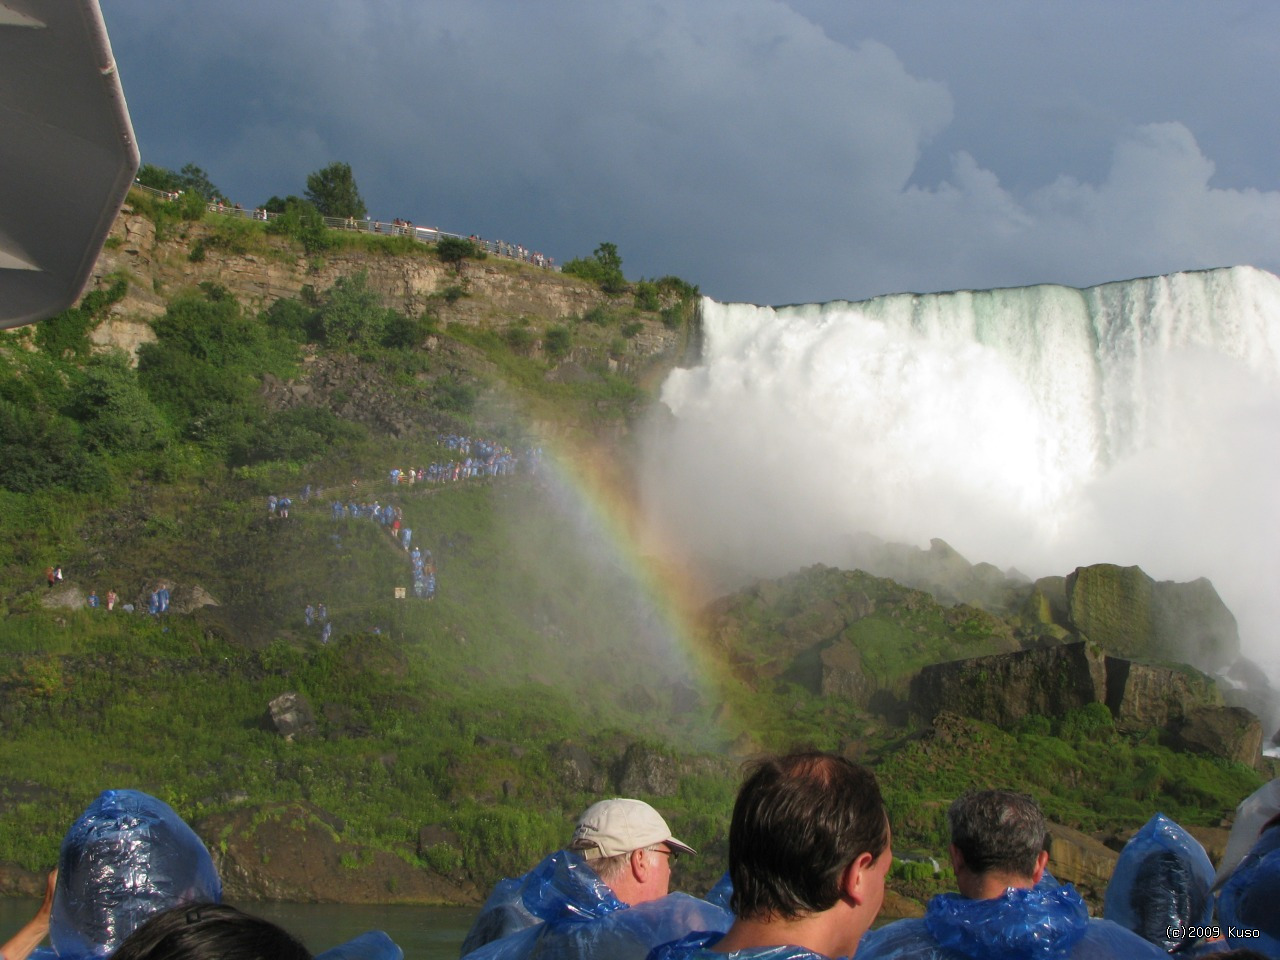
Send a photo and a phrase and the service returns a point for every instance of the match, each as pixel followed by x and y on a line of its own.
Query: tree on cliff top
pixel 333 190
pixel 190 179
pixel 604 268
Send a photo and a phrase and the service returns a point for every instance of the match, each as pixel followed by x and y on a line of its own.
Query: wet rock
pixel 643 770
pixel 291 716
pixel 1005 688
pixel 1134 616
pixel 574 767
pixel 1230 732
pixel 1078 858
pixel 1142 696
pixel 842 674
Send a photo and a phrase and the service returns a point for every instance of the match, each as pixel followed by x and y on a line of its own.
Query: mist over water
pixel 1041 427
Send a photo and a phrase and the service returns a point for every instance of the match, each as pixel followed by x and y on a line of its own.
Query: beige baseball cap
pixel 614 827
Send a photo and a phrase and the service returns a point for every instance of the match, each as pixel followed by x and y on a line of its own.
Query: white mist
pixel 1041 427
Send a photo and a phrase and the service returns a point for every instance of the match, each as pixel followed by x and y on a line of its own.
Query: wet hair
pixel 997 830
pixel 210 931
pixel 798 822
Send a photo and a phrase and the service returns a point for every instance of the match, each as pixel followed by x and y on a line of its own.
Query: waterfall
pixel 1042 427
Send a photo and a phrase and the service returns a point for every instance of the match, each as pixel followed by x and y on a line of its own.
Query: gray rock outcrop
pixel 1004 688
pixel 291 716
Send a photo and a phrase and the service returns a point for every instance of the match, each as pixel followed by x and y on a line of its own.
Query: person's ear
pixel 853 882
pixel 640 864
pixel 1042 861
pixel 957 858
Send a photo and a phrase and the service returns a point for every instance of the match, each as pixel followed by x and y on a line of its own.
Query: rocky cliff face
pixel 408 283
pixel 493 291
pixel 1182 703
pixel 1008 687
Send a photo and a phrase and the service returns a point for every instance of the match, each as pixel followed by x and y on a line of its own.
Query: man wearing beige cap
pixel 630 847
pixel 607 895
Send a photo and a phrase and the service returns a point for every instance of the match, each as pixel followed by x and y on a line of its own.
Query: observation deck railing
pixel 497 248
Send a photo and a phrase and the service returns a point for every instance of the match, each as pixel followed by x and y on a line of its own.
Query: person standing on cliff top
pixel 1008 907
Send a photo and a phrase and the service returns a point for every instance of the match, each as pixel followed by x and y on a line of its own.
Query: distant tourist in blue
pixel 1008 907
pixel 93 600
pixel 808 856
pixel 326 632
pixel 309 614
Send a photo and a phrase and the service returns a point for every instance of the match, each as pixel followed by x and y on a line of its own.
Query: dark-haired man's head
pixel 998 840
pixel 808 842
pixel 210 931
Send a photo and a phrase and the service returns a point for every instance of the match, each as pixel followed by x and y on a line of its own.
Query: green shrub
pixel 453 250
pixel 293 318
pixel 303 223
pixel 67 334
pixel 603 268
pixel 557 342
pixel 453 394
pixel 115 413
pixel 519 339
pixel 1091 722
pixel 646 296
pixel 352 313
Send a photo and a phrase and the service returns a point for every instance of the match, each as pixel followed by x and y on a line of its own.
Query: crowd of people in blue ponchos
pixel 810 848
pixel 472 458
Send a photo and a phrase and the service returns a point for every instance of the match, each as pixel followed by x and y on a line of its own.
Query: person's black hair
pixel 798 822
pixel 997 830
pixel 210 931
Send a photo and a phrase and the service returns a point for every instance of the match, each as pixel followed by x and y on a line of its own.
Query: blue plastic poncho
pixel 697 946
pixel 1161 884
pixel 1249 903
pixel 127 857
pixel 722 892
pixel 374 945
pixel 1049 922
pixel 561 886
pixel 626 933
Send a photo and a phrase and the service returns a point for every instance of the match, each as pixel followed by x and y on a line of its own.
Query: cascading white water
pixel 1042 427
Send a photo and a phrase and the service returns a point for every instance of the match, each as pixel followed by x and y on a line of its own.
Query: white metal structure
pixel 67 153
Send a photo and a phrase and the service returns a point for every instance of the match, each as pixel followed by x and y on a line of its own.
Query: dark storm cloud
pixel 767 151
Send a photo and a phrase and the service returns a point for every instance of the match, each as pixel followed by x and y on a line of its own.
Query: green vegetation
pixel 454 250
pixel 190 179
pixel 604 268
pixel 333 192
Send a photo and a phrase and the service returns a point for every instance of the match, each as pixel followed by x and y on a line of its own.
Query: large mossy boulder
pixel 1113 606
pixel 1132 615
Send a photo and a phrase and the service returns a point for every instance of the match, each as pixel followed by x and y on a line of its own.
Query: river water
pixel 424 933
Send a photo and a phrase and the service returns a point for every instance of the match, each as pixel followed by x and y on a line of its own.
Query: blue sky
pixel 772 152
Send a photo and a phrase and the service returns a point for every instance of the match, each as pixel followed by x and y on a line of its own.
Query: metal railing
pixel 497 248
